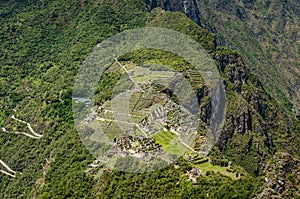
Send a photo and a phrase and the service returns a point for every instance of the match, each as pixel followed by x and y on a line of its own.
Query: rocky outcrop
pixel 257 103
pixel 266 33
pixel 239 123
pixel 205 112
pixel 236 70
pixel 189 7
pixel 242 123
pixel 282 177
pixel 252 113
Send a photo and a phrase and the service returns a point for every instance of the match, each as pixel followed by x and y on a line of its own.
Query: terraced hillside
pixel 42 46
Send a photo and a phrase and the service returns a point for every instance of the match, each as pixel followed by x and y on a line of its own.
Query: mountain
pixel 267 34
pixel 43 45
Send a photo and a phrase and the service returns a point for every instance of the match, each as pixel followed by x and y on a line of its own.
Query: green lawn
pixel 170 142
pixel 206 166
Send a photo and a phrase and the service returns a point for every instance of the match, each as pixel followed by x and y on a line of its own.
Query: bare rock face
pixel 298 114
pixel 240 123
pixel 282 177
pixel 189 7
pixel 243 123
pixel 236 70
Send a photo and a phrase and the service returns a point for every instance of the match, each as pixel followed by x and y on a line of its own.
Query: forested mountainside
pixel 42 46
pixel 267 33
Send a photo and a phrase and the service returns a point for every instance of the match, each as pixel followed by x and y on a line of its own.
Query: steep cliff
pixel 189 7
pixel 42 46
pixel 267 35
pixel 265 32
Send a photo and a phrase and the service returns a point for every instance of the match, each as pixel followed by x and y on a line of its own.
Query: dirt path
pixel 135 84
pixel 23 133
pixel 34 134
pixel 5 172
pixel 8 169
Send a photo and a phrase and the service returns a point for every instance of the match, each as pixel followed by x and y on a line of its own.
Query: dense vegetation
pixel 42 46
pixel 267 35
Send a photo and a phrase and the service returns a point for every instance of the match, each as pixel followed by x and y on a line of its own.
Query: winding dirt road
pixel 10 171
pixel 33 135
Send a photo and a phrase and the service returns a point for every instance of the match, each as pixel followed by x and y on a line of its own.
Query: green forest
pixel 43 44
